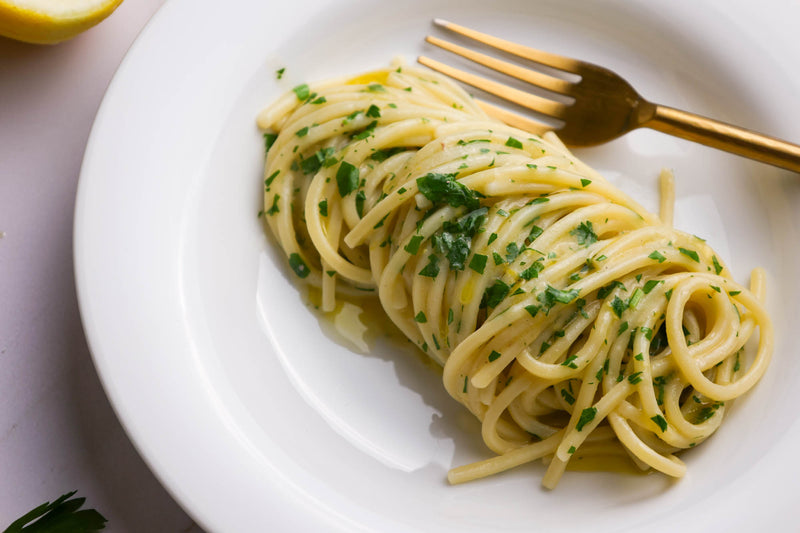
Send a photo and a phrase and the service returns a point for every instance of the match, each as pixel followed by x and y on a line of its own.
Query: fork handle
pixel 726 137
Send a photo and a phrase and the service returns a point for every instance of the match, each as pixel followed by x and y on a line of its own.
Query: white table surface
pixel 57 430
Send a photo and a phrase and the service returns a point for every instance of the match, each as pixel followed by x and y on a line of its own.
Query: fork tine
pixel 551 83
pixel 514 120
pixel 530 101
pixel 566 64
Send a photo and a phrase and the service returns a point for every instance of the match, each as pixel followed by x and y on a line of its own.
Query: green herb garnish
pixel 587 415
pixel 584 233
pixel 444 189
pixel 299 266
pixel 347 178
pixel 302 91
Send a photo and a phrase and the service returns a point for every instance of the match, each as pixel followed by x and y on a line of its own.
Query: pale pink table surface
pixel 58 431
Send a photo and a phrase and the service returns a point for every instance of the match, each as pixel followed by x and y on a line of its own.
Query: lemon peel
pixel 51 21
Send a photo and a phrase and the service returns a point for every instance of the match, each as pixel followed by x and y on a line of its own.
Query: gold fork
pixel 605 105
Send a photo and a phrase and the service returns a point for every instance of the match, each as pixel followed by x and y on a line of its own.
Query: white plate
pixel 254 419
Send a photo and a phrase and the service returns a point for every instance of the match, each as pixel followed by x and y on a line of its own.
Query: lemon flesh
pixel 51 21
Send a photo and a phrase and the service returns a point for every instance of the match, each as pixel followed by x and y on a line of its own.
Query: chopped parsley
pixel 455 239
pixel 512 251
pixel 421 318
pixel 302 91
pixel 431 270
pixel 494 356
pixel 478 263
pixel 361 197
pixel 602 292
pixel 585 182
pixel 534 234
pixel 413 244
pixel 513 143
pixel 269 140
pixel 321 158
pixel 532 271
pixel 691 254
pixel 570 361
pixel 660 421
pixel 444 189
pixel 299 266
pixel 269 180
pixel 651 284
pixel 584 233
pixel 366 132
pixel 635 298
pixel 570 400
pixel 656 256
pixel 717 266
pixel 386 153
pixel 274 209
pixel 635 378
pixel 347 178
pixel 551 295
pixel 495 294
pixel 587 415
pixel 618 306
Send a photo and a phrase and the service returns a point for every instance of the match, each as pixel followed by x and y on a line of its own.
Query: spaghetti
pixel 568 319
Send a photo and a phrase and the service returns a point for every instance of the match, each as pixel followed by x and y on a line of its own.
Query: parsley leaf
pixel 587 415
pixel 413 245
pixel 532 271
pixel 661 421
pixel 347 178
pixel 513 143
pixel 717 266
pixel 651 284
pixel 443 188
pixel 269 140
pixel 455 239
pixel 584 233
pixel 551 295
pixel 299 266
pixel 495 294
pixel 302 91
pixel 478 263
pixel 618 306
pixel 431 270
pixel 691 254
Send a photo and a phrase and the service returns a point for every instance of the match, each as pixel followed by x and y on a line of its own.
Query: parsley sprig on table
pixel 64 515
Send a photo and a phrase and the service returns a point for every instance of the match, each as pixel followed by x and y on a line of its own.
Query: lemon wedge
pixel 51 21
